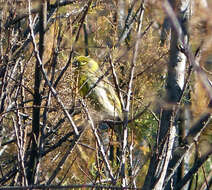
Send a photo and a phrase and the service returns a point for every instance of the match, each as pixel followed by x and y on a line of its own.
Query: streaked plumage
pixel 103 97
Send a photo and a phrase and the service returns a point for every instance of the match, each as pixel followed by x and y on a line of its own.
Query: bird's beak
pixel 75 63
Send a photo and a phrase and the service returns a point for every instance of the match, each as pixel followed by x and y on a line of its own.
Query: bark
pixel 198 163
pixel 181 151
pixel 184 166
pixel 3 70
pixel 86 39
pixel 121 15
pixel 165 31
pixel 175 84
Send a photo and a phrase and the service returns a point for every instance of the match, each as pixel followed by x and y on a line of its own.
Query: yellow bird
pixel 103 96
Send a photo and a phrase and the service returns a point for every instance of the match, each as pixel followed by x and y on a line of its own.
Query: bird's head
pixel 84 63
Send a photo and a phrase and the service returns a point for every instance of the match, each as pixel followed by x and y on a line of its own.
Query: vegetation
pixel 156 55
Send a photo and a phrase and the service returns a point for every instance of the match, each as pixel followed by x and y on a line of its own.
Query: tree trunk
pixel 175 83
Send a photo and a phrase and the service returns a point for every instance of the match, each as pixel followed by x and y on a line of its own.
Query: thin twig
pixel 198 163
pixel 137 116
pixel 99 144
pixel 45 76
pixel 204 174
pixel 128 102
pixel 62 161
pixel 129 23
pixel 117 84
pixel 180 152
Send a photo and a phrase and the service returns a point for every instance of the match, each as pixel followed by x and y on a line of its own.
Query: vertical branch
pixel 86 38
pixel 35 137
pixel 130 19
pixel 166 27
pixel 132 164
pixel 183 132
pixel 99 144
pixel 117 84
pixel 83 19
pixel 175 86
pixel 165 31
pixel 43 23
pixel 135 54
pixel 20 136
pixel 121 15
pixel 3 68
pixel 3 85
pixel 53 91
pixel 127 107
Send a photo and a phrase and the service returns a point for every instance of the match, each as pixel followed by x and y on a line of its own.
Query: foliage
pixel 37 138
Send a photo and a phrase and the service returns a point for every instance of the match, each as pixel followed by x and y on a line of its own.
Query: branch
pixel 186 49
pixel 52 8
pixel 45 75
pixel 198 163
pixel 189 140
pixel 112 122
pixel 127 106
pixel 99 144
pixel 62 161
pixel 129 22
pixel 117 84
pixel 60 142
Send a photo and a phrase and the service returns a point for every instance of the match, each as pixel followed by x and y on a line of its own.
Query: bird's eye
pixel 83 63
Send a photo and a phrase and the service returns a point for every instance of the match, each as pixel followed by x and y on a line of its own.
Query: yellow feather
pixel 103 96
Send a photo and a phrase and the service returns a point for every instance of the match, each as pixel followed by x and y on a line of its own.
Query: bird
pixel 98 89
pixel 101 93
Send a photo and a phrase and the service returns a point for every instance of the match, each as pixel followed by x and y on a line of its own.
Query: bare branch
pixel 100 145
pixel 198 163
pixel 46 78
pixel 62 161
pixel 180 152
